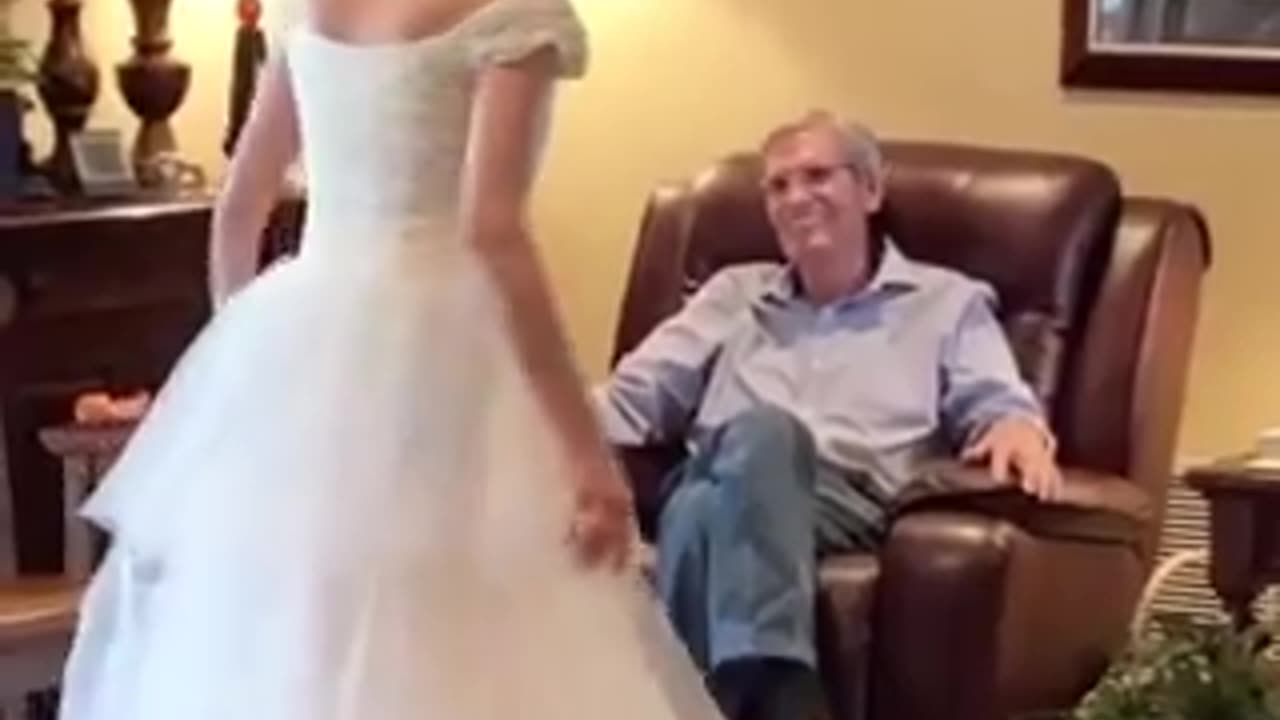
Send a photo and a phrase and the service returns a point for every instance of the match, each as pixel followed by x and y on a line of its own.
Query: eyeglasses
pixel 808 176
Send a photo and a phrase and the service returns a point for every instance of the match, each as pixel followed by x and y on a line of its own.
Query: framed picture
pixel 102 166
pixel 1217 46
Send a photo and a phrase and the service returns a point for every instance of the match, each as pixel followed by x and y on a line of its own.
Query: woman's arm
pixel 268 143
pixel 510 105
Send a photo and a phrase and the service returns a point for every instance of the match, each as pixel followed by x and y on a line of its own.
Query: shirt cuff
pixel 1032 417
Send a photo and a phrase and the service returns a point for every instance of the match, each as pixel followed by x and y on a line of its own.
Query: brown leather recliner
pixel 984 604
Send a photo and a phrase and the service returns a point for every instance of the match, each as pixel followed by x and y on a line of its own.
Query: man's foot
pixel 788 690
pixel 733 685
pixel 769 689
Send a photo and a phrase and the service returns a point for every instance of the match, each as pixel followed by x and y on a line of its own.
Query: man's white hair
pixel 861 148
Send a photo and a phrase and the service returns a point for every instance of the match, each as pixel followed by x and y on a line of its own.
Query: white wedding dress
pixel 345 503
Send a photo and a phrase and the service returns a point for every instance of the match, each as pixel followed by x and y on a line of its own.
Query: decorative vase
pixel 154 86
pixel 68 85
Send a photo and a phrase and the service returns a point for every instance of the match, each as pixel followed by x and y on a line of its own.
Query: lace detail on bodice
pixel 385 126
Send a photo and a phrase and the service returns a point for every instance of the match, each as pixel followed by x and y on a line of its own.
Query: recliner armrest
pixel 1092 507
pixel 648 469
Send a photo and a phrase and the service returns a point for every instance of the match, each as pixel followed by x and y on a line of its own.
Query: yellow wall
pixel 677 82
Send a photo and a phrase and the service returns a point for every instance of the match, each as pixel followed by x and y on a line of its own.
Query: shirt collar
pixel 894 273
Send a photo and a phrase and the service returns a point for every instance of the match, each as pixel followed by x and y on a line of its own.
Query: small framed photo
pixel 102 165
pixel 1208 46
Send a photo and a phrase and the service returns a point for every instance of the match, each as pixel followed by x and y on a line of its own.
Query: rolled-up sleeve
pixel 981 383
pixel 655 390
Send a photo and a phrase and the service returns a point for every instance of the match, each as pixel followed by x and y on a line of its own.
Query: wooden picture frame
pixel 1166 63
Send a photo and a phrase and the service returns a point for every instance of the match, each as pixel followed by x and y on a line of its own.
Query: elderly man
pixel 807 392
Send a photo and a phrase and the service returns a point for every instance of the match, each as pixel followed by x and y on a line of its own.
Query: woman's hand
pixel 602 530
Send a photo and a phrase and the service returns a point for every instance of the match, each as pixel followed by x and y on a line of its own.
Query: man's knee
pixel 766 429
pixel 686 513
pixel 764 447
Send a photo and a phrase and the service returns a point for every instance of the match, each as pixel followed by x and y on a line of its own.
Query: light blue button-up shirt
pixel 908 368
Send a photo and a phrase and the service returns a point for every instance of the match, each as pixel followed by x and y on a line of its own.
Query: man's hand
pixel 1018 446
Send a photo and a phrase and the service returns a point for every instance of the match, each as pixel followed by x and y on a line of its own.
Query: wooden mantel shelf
pixel 94 297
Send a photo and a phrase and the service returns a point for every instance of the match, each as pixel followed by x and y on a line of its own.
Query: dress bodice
pixel 385 126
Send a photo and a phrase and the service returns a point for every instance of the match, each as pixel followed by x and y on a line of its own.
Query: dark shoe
pixel 788 690
pixel 733 685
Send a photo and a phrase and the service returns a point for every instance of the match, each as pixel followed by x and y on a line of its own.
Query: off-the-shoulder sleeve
pixel 519 28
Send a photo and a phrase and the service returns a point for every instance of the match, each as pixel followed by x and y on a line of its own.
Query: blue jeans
pixel 740 536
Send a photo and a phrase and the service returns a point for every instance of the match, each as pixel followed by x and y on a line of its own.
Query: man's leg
pixel 851 515
pixel 684 562
pixel 681 573
pixel 736 552
pixel 847 520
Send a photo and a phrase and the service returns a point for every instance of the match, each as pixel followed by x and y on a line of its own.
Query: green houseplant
pixel 17 62
pixel 1179 667
pixel 17 72
pixel 1189 670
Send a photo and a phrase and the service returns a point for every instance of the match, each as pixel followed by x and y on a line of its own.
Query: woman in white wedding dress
pixel 372 489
